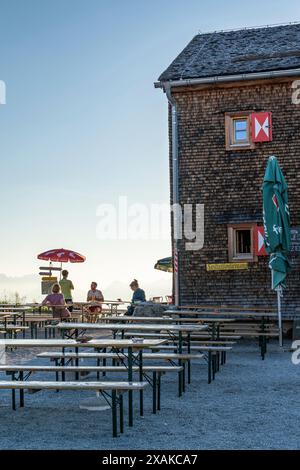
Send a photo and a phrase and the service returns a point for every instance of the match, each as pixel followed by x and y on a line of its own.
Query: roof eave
pixel 227 78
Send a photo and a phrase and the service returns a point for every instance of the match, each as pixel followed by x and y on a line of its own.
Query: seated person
pixel 138 296
pixel 95 297
pixel 56 300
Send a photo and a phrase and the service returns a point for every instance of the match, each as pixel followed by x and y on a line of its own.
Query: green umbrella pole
pixel 279 295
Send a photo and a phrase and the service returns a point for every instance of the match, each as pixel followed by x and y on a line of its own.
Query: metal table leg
pixel 141 379
pixel 130 407
pixel 114 413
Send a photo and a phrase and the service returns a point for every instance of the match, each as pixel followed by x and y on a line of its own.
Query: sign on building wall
pixel 295 239
pixel 226 266
pixel 261 127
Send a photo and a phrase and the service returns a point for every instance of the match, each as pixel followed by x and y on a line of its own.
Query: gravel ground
pixel 252 404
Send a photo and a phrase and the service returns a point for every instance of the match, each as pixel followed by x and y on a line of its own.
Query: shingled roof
pixel 237 52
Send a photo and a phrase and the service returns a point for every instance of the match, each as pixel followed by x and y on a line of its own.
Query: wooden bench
pixel 254 330
pixel 216 355
pixel 116 389
pixel 221 337
pixel 194 342
pixel 205 346
pixel 247 322
pixel 58 355
pixel 192 336
pixel 259 333
pixel 170 357
pixel 155 382
pixel 249 327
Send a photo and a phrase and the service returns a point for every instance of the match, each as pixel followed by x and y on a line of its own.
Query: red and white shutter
pixel 261 127
pixel 259 246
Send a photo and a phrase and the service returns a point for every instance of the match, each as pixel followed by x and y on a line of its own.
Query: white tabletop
pixel 131 326
pixel 167 319
pixel 8 313
pixel 65 343
pixel 218 314
pixel 15 309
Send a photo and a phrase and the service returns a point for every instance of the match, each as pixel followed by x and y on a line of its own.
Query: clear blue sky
pixel 83 123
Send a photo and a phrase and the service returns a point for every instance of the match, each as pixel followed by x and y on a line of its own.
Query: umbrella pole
pixel 279 295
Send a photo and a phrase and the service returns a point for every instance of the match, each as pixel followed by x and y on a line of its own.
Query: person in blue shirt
pixel 137 297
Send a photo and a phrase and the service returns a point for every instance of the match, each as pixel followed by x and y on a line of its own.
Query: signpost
pixel 47 283
pixel 50 268
pixel 48 280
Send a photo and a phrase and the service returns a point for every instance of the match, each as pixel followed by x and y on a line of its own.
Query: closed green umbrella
pixel 277 227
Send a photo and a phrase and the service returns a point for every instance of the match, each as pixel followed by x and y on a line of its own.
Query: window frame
pixel 233 257
pixel 231 143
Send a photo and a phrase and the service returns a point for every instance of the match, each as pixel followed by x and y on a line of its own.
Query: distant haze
pixel 29 287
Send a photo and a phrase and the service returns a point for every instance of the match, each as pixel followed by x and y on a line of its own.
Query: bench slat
pixel 13 327
pixel 58 355
pixel 22 368
pixel 196 348
pixel 165 335
pixel 38 385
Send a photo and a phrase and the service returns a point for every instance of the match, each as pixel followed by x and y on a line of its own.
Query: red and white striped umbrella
pixel 60 255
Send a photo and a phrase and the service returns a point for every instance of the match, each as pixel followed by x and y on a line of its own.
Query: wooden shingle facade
pixel 219 87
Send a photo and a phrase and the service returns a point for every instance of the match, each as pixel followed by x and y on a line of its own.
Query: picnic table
pixel 171 329
pixel 112 304
pixel 116 345
pixel 15 313
pixel 215 322
pixel 264 315
pixel 174 331
pixel 9 314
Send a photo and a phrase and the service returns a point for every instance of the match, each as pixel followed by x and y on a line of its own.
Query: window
pixel 240 242
pixel 238 131
pixel 240 134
